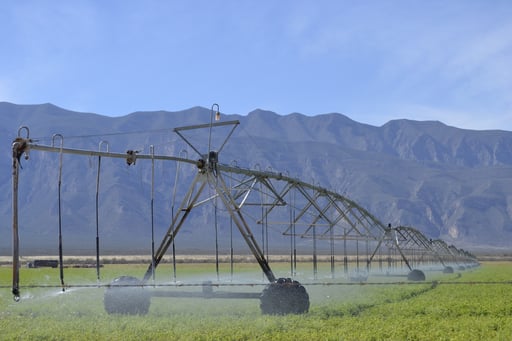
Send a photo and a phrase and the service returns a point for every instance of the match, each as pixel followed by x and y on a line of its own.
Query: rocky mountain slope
pixel 449 183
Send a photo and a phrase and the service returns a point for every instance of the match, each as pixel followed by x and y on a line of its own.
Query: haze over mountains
pixel 449 183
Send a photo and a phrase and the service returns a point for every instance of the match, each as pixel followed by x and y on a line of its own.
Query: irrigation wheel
pixel 284 296
pixel 416 275
pixel 448 270
pixel 126 296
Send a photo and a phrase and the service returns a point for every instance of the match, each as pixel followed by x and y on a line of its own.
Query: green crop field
pixel 474 304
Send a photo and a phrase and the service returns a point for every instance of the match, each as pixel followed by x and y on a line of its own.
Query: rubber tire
pixel 126 296
pixel 416 276
pixel 284 296
pixel 448 270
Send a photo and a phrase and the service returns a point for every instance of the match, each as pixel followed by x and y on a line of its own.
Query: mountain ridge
pixel 450 183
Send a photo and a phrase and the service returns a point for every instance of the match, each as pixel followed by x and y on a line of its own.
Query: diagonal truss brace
pixel 203 177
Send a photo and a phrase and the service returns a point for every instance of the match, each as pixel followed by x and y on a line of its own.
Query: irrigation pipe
pixel 178 285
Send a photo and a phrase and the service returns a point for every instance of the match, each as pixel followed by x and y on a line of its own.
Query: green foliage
pixel 470 305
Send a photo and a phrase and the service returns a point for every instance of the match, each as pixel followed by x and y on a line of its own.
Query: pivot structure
pixel 310 217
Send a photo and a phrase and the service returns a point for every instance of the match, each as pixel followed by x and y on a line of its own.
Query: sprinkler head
pixel 16 293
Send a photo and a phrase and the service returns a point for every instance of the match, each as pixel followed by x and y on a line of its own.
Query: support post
pixel 19 148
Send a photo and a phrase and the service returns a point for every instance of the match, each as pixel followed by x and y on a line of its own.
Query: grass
pixel 475 305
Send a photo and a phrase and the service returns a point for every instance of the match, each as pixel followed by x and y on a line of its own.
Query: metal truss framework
pixel 297 209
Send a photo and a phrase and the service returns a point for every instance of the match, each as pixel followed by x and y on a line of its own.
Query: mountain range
pixel 449 183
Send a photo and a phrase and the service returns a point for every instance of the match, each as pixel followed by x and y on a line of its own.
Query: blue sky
pixel 371 60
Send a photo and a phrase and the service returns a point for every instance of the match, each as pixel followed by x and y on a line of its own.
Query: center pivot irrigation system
pixel 252 198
